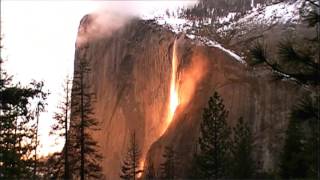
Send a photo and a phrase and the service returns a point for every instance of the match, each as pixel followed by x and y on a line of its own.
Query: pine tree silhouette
pixel 130 166
pixel 213 159
pixel 169 165
pixel 87 164
pixel 18 126
pixel 243 165
pixel 150 172
pixel 61 126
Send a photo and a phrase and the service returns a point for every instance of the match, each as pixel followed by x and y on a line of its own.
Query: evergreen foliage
pixel 220 157
pixel 291 63
pixel 52 167
pixel 243 165
pixel 150 172
pixel 293 163
pixel 61 127
pixel 299 61
pixel 18 126
pixel 306 111
pixel 294 60
pixel 169 165
pixel 130 165
pixel 312 14
pixel 87 164
pixel 213 159
pixel 219 8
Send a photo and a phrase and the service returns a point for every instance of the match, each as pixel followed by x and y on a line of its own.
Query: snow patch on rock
pixel 283 13
pixel 182 25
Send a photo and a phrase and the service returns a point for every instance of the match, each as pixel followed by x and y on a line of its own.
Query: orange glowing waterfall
pixel 173 102
pixel 174 97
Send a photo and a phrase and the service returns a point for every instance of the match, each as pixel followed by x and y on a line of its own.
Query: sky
pixel 39 43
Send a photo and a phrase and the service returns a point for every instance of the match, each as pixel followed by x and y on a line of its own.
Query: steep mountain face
pixel 131 78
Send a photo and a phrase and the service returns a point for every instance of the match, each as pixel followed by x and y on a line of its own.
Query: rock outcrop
pixel 130 76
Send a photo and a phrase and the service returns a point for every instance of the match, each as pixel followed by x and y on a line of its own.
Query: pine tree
pixel 310 12
pixel 87 164
pixel 61 125
pixel 291 62
pixel 299 61
pixel 306 111
pixel 213 159
pixel 53 166
pixel 293 163
pixel 168 166
pixel 18 126
pixel 243 165
pixel 194 172
pixel 130 166
pixel 39 108
pixel 150 172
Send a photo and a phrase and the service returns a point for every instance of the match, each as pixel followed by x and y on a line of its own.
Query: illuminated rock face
pixel 131 77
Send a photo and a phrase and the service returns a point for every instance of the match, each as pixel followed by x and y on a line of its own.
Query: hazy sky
pixel 39 41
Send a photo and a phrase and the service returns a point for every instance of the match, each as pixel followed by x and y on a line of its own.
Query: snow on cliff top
pixel 178 25
pixel 279 13
pixel 283 12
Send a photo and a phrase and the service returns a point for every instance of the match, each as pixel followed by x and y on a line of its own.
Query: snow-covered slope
pixel 182 25
pixel 280 13
pixel 284 12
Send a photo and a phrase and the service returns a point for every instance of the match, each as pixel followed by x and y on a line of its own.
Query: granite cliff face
pixel 130 76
